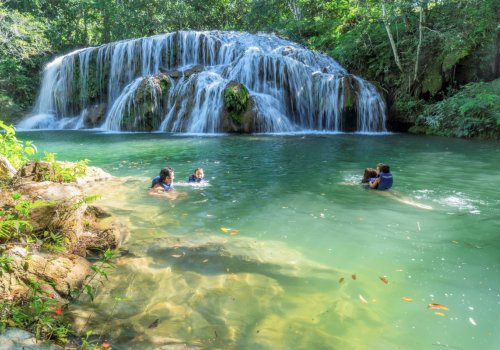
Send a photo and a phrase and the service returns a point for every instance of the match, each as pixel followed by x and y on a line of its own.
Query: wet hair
pixel 384 168
pixel 166 172
pixel 195 170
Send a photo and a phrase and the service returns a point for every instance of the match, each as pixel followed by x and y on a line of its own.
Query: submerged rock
pixel 15 339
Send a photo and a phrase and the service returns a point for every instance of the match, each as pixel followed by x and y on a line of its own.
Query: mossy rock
pixel 236 101
pixel 433 80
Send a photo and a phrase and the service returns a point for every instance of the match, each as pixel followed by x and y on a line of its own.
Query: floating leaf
pixel 408 300
pixel 354 277
pixel 363 300
pixel 225 229
pixel 206 260
pixel 178 255
pixel 472 322
pixel 384 279
pixel 439 314
pixel 437 306
pixel 341 279
pixel 234 232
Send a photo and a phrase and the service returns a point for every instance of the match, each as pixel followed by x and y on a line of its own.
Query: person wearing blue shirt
pixel 164 181
pixel 198 175
pixel 384 179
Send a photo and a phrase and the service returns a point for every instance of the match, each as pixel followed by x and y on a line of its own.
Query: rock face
pixel 291 88
pixel 237 115
pixel 62 210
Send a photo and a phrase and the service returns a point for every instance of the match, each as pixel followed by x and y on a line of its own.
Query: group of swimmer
pixel 165 181
pixel 378 179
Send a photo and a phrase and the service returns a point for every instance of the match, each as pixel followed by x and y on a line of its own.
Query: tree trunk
pixel 391 39
pixel 421 21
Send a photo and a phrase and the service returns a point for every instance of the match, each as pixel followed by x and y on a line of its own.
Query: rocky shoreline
pixel 59 208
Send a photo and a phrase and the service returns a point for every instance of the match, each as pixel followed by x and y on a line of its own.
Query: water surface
pixel 284 250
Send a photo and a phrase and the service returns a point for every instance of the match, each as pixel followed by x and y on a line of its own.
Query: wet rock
pixel 175 74
pixel 193 70
pixel 349 121
pixel 238 115
pixel 147 106
pixel 15 339
pixel 94 116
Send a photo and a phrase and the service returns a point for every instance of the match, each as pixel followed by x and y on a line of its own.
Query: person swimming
pixel 164 181
pixel 197 176
pixel 383 180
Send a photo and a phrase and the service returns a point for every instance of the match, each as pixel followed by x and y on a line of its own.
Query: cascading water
pixel 204 82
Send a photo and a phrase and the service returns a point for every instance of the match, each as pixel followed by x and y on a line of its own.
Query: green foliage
pixel 63 172
pixel 23 47
pixel 14 150
pixel 236 100
pixel 40 314
pixel 474 111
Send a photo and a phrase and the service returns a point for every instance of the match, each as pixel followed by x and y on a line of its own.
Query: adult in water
pixel 383 180
pixel 163 184
pixel 164 181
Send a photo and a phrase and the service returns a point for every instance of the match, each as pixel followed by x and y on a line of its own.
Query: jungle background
pixel 436 62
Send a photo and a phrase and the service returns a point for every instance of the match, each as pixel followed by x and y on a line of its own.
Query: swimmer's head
pixel 167 174
pixel 198 173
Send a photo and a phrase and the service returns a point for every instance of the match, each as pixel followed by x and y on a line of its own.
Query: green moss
pixel 236 101
pixel 433 80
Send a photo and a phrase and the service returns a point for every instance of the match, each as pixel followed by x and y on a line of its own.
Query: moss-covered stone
pixel 148 105
pixel 236 101
pixel 433 80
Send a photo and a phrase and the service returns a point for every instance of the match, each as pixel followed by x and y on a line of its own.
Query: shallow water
pixel 300 230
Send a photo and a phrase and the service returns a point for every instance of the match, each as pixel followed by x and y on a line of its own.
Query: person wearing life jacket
pixel 164 181
pixel 384 179
pixel 198 175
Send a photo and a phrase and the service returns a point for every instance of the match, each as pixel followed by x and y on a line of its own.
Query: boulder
pixel 238 115
pixel 57 273
pixel 193 70
pixel 148 104
pixel 94 116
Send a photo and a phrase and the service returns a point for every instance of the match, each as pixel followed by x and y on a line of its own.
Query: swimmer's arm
pixel 374 184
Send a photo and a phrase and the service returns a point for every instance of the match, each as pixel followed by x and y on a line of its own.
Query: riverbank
pixel 49 230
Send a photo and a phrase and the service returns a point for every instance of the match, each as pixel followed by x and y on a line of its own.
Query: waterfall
pixel 204 82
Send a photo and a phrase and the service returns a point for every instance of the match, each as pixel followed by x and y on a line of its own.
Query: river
pixel 283 249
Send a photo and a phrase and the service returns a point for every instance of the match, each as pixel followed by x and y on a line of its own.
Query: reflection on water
pixel 284 250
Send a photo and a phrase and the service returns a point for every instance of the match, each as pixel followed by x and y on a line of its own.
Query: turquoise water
pixel 299 265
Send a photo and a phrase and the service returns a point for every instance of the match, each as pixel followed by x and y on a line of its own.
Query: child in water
pixel 197 175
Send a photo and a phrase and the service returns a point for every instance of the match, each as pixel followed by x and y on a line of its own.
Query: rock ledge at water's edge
pixel 86 228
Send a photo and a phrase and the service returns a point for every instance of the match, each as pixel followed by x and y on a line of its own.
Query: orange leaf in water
pixel 384 279
pixel 439 314
pixel 437 306
pixel 408 300
pixel 234 232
